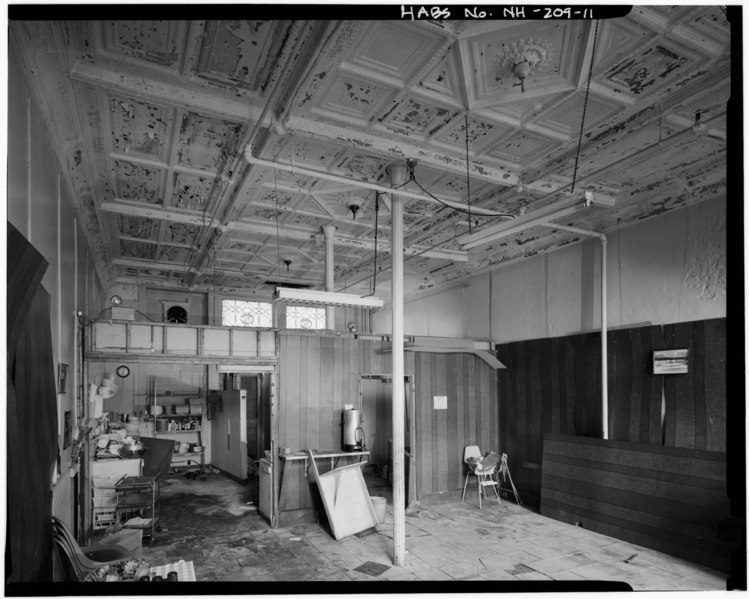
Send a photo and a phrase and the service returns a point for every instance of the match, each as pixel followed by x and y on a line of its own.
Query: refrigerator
pixel 229 434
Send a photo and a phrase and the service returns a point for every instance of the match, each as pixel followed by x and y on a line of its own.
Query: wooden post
pixel 329 232
pixel 397 174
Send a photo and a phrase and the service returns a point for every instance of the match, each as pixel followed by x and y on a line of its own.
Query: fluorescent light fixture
pixel 326 298
pixel 520 223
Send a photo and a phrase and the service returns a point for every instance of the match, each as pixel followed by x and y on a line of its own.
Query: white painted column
pixel 329 232
pixel 397 174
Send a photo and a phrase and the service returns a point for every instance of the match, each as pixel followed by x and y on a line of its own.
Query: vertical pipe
pixel 604 326
pixel 604 345
pixel 329 232
pixel 397 173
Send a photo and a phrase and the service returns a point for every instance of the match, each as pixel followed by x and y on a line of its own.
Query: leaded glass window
pixel 303 317
pixel 238 313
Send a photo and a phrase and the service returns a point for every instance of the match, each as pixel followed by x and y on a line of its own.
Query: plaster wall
pixel 40 207
pixel 671 268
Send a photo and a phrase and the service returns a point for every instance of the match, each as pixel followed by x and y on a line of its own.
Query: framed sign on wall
pixel 671 361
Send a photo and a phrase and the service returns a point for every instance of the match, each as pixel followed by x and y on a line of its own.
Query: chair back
pixel 80 563
pixel 471 451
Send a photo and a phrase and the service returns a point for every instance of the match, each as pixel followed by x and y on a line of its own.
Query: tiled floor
pixel 214 523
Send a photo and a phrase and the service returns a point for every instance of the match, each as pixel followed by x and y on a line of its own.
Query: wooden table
pixel 295 503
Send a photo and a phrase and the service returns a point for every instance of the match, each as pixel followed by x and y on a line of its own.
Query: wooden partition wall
pixel 319 374
pixel 554 386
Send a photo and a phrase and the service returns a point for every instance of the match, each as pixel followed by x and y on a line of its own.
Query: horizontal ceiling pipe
pixel 290 168
pixel 483 236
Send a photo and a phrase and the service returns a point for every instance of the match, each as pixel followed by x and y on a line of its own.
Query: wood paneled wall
pixel 471 417
pixel 319 374
pixel 553 386
pixel 669 499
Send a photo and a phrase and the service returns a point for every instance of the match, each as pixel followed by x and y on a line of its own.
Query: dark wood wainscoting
pixel 665 498
pixel 553 386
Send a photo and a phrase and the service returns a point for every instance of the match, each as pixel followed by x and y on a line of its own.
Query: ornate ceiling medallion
pixel 523 57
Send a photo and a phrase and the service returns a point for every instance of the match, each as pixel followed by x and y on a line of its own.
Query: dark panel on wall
pixel 696 401
pixel 635 396
pixel 669 499
pixel 554 386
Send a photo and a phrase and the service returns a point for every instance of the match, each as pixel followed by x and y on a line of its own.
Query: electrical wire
pixel 411 177
pixel 377 228
pixel 585 107
pixel 406 258
pixel 468 180
pixel 278 230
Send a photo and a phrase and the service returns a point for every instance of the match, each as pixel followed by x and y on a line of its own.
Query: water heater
pixel 353 433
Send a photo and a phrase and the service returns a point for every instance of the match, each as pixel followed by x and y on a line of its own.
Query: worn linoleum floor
pixel 213 522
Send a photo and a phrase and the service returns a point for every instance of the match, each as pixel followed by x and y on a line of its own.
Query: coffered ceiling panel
pixel 157 42
pixel 204 154
pixel 553 53
pixel 392 51
pixel 238 52
pixel 139 183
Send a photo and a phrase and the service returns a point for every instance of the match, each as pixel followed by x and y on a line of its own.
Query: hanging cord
pixel 411 177
pixel 468 180
pixel 278 234
pixel 377 228
pixel 585 107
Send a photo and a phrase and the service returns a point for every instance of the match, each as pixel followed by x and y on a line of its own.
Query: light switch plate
pixel 440 402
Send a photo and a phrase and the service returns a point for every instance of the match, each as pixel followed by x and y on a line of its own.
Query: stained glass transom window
pixel 303 317
pixel 238 313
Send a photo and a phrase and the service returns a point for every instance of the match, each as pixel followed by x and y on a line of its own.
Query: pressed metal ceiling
pixel 151 121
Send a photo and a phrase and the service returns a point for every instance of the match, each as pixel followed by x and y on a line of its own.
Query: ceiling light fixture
pixel 522 57
pixel 354 209
pixel 326 298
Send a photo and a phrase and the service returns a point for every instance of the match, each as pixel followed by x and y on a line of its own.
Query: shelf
pixel 193 430
pixel 170 416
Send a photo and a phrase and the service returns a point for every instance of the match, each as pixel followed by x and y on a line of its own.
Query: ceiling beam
pixel 394 150
pixel 283 166
pixel 157 89
pixel 272 231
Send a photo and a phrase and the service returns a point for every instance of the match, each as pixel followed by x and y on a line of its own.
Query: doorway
pixel 258 417
pixel 376 403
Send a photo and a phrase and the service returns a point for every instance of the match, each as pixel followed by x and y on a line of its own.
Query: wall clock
pixel 123 371
pixel 176 314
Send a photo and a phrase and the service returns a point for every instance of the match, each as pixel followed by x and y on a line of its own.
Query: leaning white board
pixel 346 499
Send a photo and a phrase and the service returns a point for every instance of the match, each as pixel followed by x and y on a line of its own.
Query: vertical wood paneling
pixel 552 389
pixel 460 410
pixel 714 384
pixel 696 404
pixel 442 443
pixel 316 401
pixel 567 360
pixel 328 433
pixel 434 463
pixel 698 385
pixel 620 384
pixel 453 404
pixel 652 386
pixel 425 430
